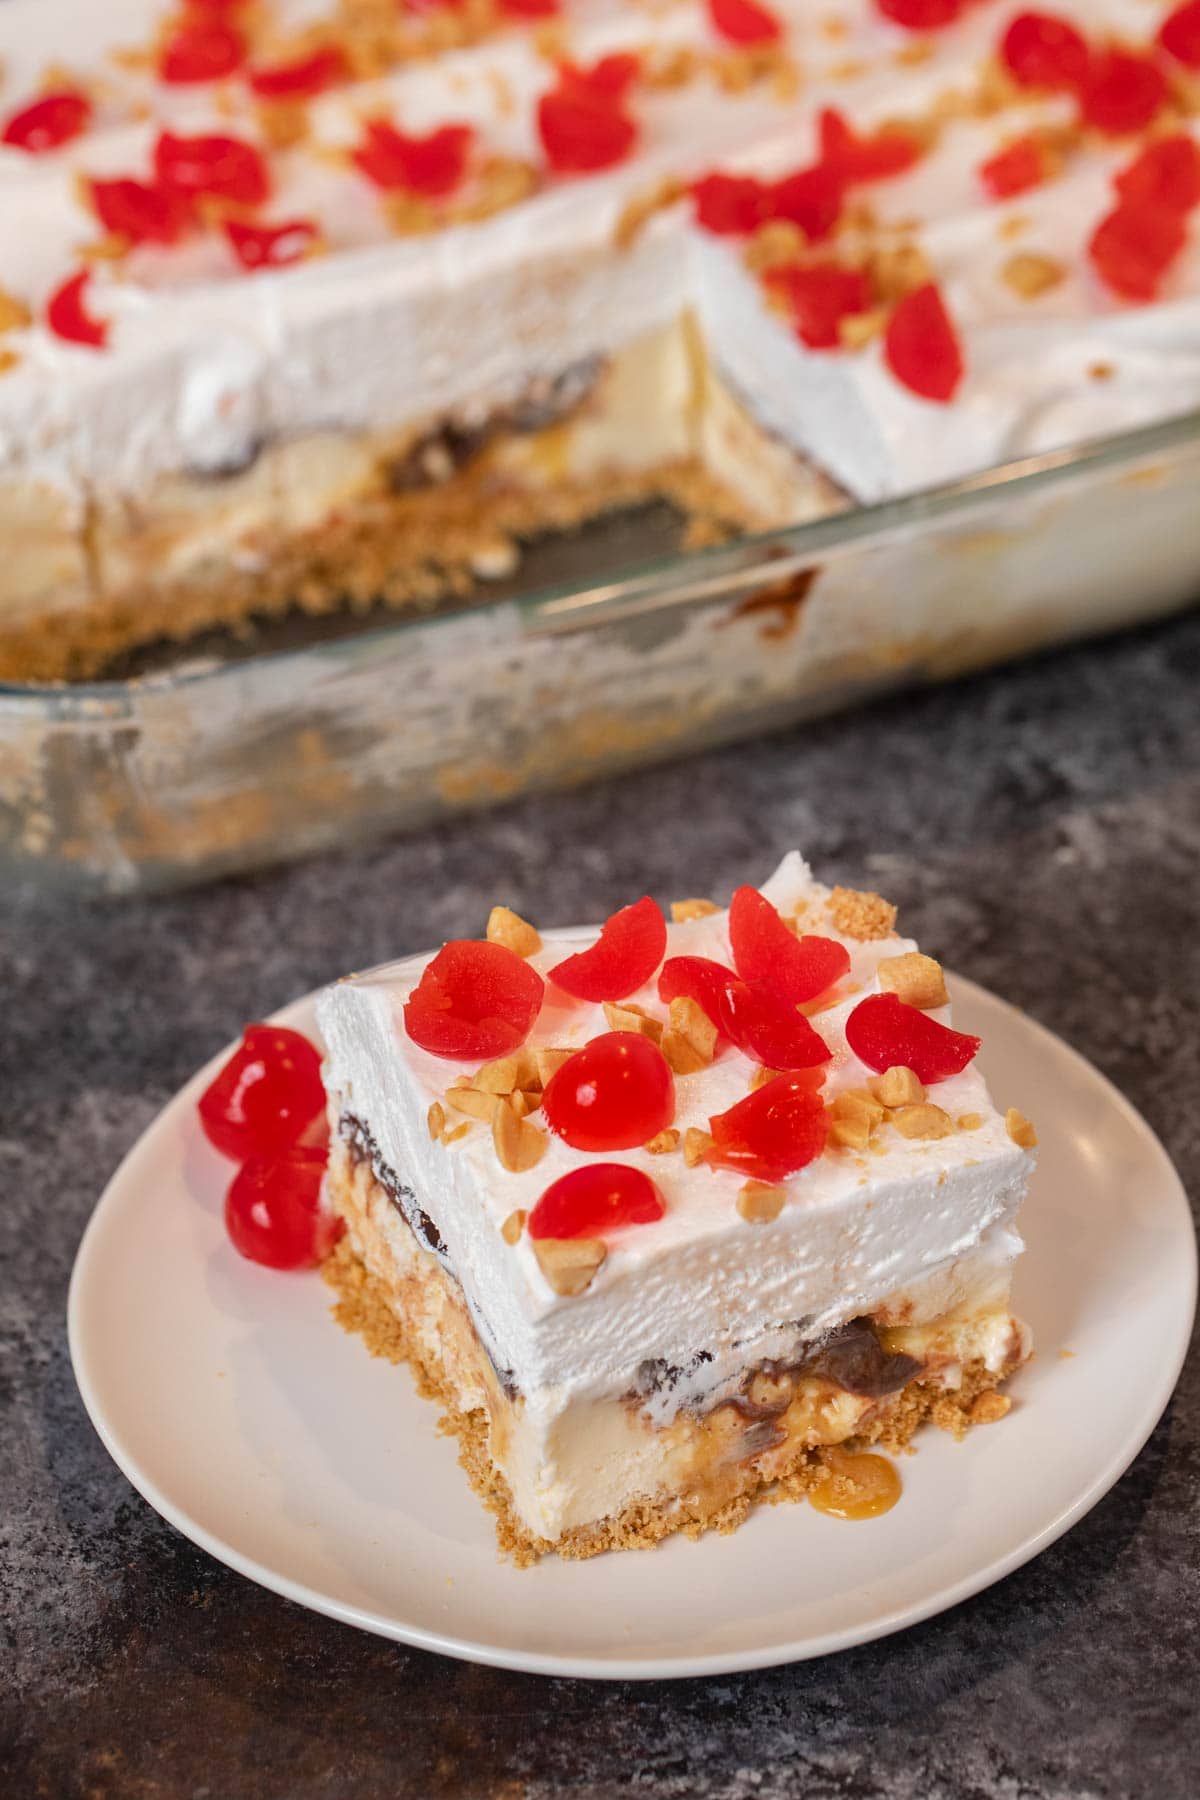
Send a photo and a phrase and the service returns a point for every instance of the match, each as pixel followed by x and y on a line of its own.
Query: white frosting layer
pixel 205 362
pixel 927 1219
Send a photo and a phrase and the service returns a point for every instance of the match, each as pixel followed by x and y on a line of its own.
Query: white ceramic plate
pixel 270 1438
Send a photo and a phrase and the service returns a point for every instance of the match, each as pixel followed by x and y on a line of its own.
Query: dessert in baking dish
pixel 307 302
pixel 668 1215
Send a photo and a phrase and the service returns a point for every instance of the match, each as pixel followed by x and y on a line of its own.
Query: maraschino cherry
pixel 595 1199
pixel 615 1093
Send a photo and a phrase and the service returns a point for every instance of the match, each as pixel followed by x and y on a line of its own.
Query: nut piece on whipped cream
pixel 922 1121
pixel 897 1086
pixel 691 1037
pixel 1019 1129
pixel 760 1201
pixel 508 928
pixel 569 1264
pixel 914 978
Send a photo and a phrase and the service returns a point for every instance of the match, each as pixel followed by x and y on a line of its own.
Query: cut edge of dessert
pixel 797 1431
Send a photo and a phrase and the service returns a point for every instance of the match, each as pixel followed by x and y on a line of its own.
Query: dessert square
pixel 670 1217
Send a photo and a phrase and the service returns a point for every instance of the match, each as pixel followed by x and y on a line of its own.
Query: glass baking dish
pixel 213 765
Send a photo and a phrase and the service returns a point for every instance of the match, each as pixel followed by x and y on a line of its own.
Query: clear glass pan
pixel 209 767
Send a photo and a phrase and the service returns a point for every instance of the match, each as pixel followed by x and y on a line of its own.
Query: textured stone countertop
pixel 1040 828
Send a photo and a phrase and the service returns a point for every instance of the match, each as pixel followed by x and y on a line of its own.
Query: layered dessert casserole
pixel 312 303
pixel 672 1218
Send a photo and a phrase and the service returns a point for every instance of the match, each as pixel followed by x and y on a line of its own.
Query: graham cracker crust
pixel 409 551
pixel 364 1307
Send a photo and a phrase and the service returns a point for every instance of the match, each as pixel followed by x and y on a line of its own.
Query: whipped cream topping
pixel 927 1219
pixel 204 361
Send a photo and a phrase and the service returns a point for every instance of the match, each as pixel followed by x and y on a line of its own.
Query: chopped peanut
pixel 922 1121
pixel 435 1119
pixel 664 1142
pixel 513 1226
pixel 860 1106
pixel 508 928
pixel 897 1086
pixel 915 979
pixel 690 1038
pixel 849 1133
pixel 1019 1129
pixel 1030 274
pixel 861 915
pixel 758 1201
pixel 633 1018
pixel 523 1102
pixel 682 910
pixel 569 1263
pixel 897 271
pixel 761 1077
pixel 470 1100
pixel 549 1062
pixel 458 1131
pixel 508 1073
pixel 856 330
pixel 14 314
pixel 695 1144
pixel 989 1407
pixel 970 1121
pixel 519 1145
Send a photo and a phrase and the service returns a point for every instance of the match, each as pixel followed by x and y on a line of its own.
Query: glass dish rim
pixel 677 579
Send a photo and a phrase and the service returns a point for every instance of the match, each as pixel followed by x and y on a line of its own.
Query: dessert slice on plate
pixel 665 1214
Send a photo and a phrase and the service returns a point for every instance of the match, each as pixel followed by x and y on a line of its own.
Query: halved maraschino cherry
pixel 615 1093
pixel 731 205
pixel 921 15
pixel 302 79
pixel 582 120
pixel 765 951
pixel 475 1001
pixel 696 978
pixel 630 947
pixel 1123 91
pixel 1166 173
pixel 1042 50
pixel 266 1096
pixel 433 165
pixel 818 296
pixel 274 1214
pixel 921 346
pixel 744 21
pixel 873 157
pixel 598 1198
pixel 1022 164
pixel 882 1032
pixel 201 50
pixel 270 246
pixel 771 1133
pixel 769 1028
pixel 145 212
pixel 1179 34
pixel 1132 248
pixel 227 167
pixel 46 123
pixel 67 313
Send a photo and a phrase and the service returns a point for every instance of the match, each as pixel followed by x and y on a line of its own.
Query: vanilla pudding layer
pixel 624 1468
pixel 334 517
